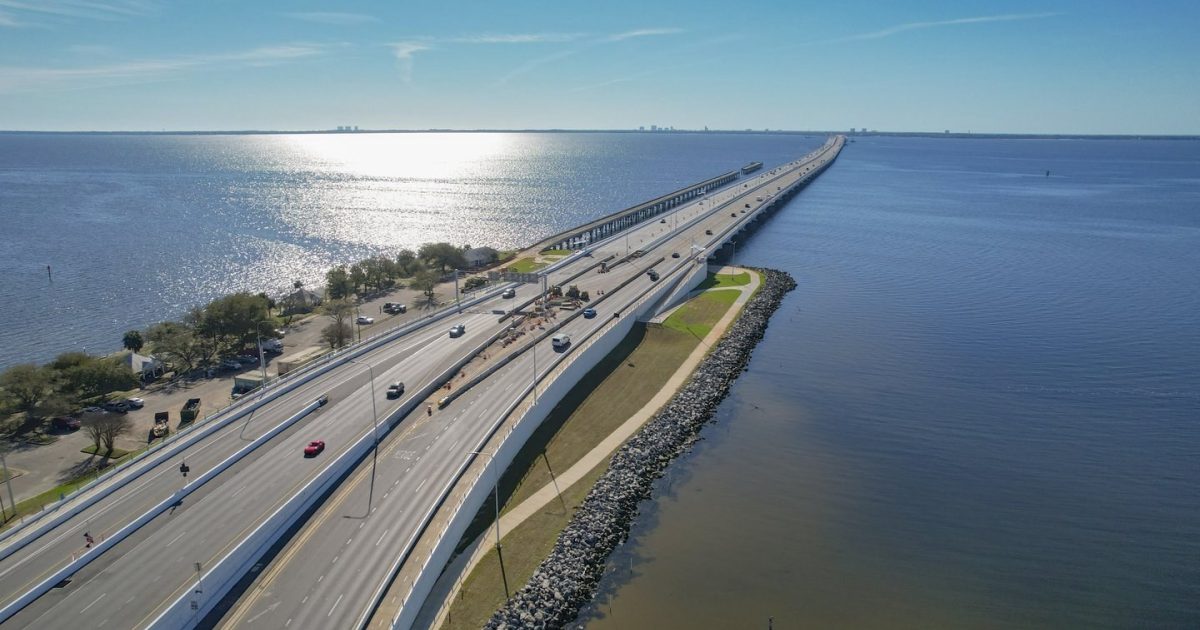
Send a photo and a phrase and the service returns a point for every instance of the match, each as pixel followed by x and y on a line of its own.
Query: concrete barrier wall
pixel 45 585
pixel 147 461
pixel 225 574
pixel 580 365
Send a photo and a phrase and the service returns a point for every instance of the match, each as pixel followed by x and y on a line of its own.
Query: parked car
pixel 135 403
pixel 314 448
pixel 395 390
pixel 231 364
pixel 363 320
pixel 92 410
pixel 246 359
pixel 394 308
pixel 457 330
pixel 116 407
pixel 560 341
pixel 589 313
pixel 65 423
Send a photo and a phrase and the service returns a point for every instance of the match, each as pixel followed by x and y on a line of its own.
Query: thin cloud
pixel 334 18
pixel 914 26
pixel 533 64
pixel 33 79
pixel 404 51
pixel 9 21
pixel 516 38
pixel 88 9
pixel 644 32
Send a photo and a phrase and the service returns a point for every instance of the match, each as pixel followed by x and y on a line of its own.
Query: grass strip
pixel 620 385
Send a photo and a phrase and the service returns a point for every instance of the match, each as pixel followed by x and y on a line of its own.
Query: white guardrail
pixel 75 503
pixel 530 414
pixel 200 596
pixel 107 543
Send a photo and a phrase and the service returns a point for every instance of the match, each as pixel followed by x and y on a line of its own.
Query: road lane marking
pixel 421 484
pixel 176 539
pixel 93 603
pixel 335 605
pixel 385 533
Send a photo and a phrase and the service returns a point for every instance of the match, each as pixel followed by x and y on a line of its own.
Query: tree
pixel 133 341
pixel 337 334
pixel 105 428
pixel 270 302
pixel 444 255
pixel 234 319
pixel 425 281
pixel 96 377
pixel 25 385
pixel 407 263
pixel 338 284
pixel 474 282
pixel 175 342
pixel 297 284
pixel 358 276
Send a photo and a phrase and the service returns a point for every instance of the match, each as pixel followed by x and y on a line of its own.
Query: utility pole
pixel 8 482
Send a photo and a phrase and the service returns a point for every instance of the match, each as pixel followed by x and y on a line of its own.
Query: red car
pixel 314 448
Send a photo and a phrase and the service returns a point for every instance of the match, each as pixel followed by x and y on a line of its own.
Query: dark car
pixel 708 232
pixel 733 214
pixel 674 254
pixel 314 448
pixel 653 275
pixel 747 205
pixel 589 313
pixel 395 390
pixel 65 423
pixel 116 407
pixel 457 330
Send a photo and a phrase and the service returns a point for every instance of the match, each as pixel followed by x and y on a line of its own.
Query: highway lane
pixel 426 347
pixel 326 576
pixel 257 486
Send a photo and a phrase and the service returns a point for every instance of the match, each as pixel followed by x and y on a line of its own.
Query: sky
pixel 1065 66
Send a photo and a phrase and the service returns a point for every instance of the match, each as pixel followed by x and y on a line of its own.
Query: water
pixel 137 229
pixel 980 408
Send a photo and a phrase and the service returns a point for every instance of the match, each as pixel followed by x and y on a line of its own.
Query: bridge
pixel 259 536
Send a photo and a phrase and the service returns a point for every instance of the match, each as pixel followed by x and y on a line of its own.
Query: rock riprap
pixel 566 580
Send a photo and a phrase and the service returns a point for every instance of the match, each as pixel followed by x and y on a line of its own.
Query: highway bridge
pixel 356 536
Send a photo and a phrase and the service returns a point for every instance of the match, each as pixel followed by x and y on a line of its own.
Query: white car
pixel 135 403
pixel 561 340
pixel 363 320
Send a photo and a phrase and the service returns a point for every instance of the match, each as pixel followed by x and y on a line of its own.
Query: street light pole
pixel 8 482
pixel 375 432
pixel 262 360
pixel 496 495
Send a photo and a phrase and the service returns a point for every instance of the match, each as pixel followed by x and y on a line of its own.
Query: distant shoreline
pixel 899 134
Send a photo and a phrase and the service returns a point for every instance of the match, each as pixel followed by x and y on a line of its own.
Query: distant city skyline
pixel 1069 67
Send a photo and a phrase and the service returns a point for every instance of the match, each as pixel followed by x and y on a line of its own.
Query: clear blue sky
pixel 1068 66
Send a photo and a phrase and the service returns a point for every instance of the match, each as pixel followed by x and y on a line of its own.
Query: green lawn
pixel 605 398
pixel 698 315
pixel 720 281
pixel 556 253
pixel 525 265
pixel 117 453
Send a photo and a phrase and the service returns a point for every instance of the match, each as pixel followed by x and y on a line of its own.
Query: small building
pixel 300 301
pixel 480 256
pixel 145 367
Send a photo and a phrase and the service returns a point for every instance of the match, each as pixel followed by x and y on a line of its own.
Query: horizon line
pixel 948 134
